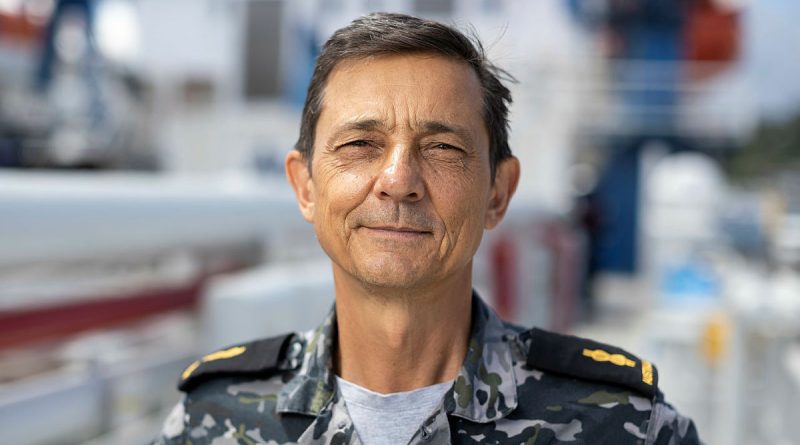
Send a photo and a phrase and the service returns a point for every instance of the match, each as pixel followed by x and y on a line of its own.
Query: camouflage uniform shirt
pixel 497 397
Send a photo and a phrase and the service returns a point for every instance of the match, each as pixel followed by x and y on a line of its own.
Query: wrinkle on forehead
pixel 407 96
pixel 405 74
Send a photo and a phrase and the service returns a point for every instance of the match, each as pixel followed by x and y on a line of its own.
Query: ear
pixel 299 177
pixel 505 183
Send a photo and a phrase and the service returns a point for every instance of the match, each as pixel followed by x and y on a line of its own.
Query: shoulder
pixel 234 387
pixel 589 360
pixel 579 388
pixel 261 358
pixel 613 392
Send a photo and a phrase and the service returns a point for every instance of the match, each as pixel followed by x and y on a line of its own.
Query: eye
pixel 357 143
pixel 443 146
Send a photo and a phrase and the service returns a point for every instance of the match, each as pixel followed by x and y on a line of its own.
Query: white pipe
pixel 71 216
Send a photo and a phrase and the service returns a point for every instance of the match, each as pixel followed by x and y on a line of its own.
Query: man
pixel 401 164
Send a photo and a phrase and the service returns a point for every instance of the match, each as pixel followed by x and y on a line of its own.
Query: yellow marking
pixel 599 355
pixel 188 371
pixel 225 353
pixel 219 355
pixel 647 372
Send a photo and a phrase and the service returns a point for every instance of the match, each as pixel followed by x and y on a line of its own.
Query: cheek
pixel 462 207
pixel 338 194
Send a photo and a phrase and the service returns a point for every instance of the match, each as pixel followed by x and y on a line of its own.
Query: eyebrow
pixel 428 127
pixel 437 127
pixel 363 125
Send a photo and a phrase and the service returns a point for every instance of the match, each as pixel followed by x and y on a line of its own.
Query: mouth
pixel 397 231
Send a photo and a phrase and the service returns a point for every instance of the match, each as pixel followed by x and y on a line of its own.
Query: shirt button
pixel 426 433
pixel 296 347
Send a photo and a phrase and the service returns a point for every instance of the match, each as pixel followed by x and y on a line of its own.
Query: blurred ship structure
pixel 68 98
pixel 101 279
pixel 676 242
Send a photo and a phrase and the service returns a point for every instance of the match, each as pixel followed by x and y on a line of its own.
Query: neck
pixel 394 340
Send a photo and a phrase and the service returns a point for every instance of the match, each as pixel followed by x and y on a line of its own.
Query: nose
pixel 400 178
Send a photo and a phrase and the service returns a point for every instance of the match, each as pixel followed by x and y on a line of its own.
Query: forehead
pixel 403 86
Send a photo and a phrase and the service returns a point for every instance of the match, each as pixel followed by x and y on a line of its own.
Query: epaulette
pixel 587 359
pixel 256 357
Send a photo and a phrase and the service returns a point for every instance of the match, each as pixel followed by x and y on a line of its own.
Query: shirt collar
pixel 314 383
pixel 485 389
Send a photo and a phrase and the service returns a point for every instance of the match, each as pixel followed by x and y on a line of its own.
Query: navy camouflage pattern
pixel 496 398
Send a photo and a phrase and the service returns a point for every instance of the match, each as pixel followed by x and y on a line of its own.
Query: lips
pixel 410 230
pixel 405 234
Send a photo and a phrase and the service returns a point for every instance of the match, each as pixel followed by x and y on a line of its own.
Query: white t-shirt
pixel 390 419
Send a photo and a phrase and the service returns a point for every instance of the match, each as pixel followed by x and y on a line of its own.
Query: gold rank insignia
pixel 219 355
pixel 600 355
pixel 262 356
pixel 587 359
pixel 647 372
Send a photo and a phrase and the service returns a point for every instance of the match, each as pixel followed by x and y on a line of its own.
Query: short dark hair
pixel 389 33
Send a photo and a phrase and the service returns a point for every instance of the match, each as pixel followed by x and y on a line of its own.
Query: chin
pixel 393 275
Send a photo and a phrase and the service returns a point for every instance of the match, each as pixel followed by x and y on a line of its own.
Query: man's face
pixel 400 188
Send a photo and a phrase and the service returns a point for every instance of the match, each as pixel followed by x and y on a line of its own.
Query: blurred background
pixel 144 217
